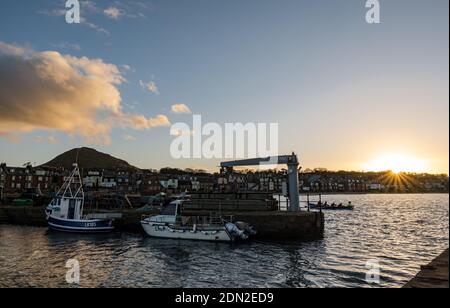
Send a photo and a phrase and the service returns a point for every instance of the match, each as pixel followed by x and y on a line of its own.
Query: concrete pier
pixel 270 225
pixel 23 215
pixel 433 275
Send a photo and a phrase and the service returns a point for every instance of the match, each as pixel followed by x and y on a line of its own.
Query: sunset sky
pixel 346 94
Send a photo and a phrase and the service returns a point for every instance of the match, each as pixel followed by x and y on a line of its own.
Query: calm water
pixel 401 231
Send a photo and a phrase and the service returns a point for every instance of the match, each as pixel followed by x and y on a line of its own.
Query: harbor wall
pixel 23 215
pixel 433 275
pixel 270 225
pixel 285 225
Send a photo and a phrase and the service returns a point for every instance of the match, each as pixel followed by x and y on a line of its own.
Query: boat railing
pixel 211 220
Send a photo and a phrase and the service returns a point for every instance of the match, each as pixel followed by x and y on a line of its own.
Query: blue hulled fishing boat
pixel 65 212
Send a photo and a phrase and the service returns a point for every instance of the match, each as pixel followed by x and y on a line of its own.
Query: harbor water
pixel 398 232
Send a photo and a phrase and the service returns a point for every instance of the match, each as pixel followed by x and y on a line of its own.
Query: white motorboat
pixel 170 224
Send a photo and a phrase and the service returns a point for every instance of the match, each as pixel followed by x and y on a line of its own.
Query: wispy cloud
pixel 129 138
pixel 49 139
pixel 11 137
pixel 12 49
pixel 91 10
pixel 93 26
pixel 113 13
pixel 87 8
pixel 55 92
pixel 125 68
pixel 149 86
pixel 66 45
pixel 180 108
pixel 52 12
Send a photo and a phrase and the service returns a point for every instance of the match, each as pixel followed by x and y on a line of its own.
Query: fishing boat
pixel 171 224
pixel 332 207
pixel 65 212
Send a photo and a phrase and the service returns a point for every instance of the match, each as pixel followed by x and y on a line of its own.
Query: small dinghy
pixel 170 224
pixel 65 212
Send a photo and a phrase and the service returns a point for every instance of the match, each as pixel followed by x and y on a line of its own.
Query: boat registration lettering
pixel 90 225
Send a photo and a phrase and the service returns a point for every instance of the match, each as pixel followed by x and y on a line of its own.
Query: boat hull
pixel 81 226
pixel 161 230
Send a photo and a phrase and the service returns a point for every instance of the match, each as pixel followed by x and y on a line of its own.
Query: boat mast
pixel 73 188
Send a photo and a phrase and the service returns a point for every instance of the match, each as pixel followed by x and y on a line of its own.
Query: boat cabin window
pixel 170 210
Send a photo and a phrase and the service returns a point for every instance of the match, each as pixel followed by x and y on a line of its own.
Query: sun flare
pixel 397 163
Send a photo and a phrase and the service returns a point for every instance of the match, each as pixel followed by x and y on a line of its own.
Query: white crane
pixel 290 160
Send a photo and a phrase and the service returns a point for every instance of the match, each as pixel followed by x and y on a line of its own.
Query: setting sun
pixel 397 163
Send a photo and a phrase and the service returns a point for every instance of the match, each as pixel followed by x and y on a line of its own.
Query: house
pixel 184 185
pixel 93 179
pixel 42 179
pixel 16 179
pixel 124 181
pixel 150 185
pixel 375 186
pixel 2 179
pixel 195 184
pixel 109 180
pixel 169 184
pixel 207 183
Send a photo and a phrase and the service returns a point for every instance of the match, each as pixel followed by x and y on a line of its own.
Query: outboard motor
pixel 235 232
pixel 247 228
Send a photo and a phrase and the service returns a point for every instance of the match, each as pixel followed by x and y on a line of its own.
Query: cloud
pixel 150 86
pixel 129 138
pixel 87 8
pixel 12 49
pixel 93 26
pixel 49 139
pixel 178 132
pixel 91 9
pixel 50 91
pixel 126 67
pixel 11 137
pixel 53 12
pixel 180 108
pixel 113 13
pixel 66 45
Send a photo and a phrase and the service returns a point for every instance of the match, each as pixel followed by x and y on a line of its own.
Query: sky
pixel 347 95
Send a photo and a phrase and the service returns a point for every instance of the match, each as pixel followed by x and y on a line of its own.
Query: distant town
pixel 48 179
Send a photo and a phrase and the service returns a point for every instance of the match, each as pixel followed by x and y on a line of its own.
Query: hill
pixel 90 159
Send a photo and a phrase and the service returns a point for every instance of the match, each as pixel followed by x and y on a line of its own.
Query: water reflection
pixel 402 232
